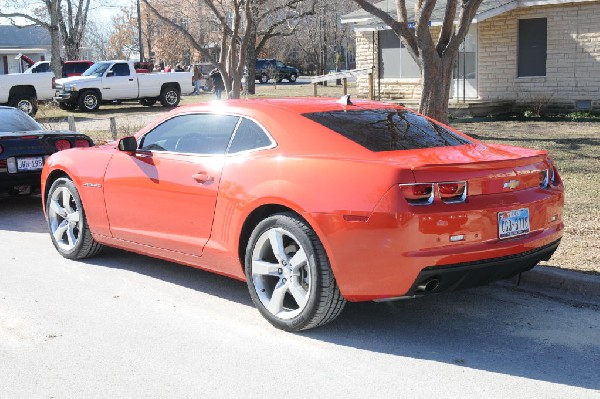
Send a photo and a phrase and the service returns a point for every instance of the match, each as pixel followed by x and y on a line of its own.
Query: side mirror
pixel 128 144
pixel 110 74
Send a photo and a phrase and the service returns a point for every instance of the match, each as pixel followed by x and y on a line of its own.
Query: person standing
pixel 197 80
pixel 218 84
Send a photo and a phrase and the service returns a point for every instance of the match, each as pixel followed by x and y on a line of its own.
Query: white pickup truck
pixel 110 81
pixel 23 91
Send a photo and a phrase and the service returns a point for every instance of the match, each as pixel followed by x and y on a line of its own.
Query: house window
pixel 394 59
pixel 533 34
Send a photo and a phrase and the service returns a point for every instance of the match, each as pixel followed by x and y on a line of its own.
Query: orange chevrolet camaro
pixel 313 202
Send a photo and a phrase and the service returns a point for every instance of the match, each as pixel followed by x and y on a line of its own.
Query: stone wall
pixel 572 64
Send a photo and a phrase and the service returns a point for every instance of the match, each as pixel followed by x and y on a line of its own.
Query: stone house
pixel 31 41
pixel 518 53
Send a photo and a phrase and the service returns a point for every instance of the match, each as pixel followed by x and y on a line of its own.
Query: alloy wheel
pixel 281 273
pixel 64 218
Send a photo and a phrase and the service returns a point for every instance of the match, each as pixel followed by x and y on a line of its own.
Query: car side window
pixel 249 136
pixel 121 69
pixel 279 64
pixel 191 134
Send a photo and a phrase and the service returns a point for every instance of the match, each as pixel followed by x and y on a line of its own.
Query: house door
pixel 464 82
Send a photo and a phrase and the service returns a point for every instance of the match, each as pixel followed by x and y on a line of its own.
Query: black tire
pixel 67 106
pixel 293 78
pixel 89 101
pixel 148 102
pixel 304 291
pixel 264 79
pixel 67 223
pixel 170 96
pixel 26 102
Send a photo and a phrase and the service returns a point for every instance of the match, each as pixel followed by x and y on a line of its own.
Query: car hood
pixel 76 80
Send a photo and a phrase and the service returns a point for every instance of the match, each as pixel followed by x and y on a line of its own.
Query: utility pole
pixel 139 23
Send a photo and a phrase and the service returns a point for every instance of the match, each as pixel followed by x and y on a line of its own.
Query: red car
pixel 313 203
pixel 70 68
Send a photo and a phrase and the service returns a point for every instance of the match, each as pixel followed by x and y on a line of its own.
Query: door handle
pixel 131 80
pixel 203 178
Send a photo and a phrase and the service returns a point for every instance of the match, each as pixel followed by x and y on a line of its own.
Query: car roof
pixel 282 118
pixel 297 105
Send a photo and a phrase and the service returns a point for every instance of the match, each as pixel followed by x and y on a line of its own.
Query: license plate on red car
pixel 513 223
pixel 28 164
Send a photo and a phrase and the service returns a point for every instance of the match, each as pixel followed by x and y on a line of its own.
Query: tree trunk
pixel 251 62
pixel 436 77
pixel 55 63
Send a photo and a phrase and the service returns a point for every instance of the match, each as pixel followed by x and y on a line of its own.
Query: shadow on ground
pixel 494 328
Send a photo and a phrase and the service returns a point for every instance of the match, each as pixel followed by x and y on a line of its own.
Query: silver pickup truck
pixel 23 91
pixel 110 81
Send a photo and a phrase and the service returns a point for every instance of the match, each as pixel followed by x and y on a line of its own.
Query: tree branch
pixel 399 26
pixel 36 21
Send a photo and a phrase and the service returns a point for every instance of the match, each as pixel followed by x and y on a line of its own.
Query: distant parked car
pixel 267 69
pixel 70 68
pixel 24 147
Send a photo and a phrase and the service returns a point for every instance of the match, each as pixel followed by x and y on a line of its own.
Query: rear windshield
pixel 387 129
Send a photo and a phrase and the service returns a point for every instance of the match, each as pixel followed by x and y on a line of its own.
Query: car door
pixel 119 83
pixel 164 194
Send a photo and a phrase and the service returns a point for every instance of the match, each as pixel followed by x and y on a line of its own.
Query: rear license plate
pixel 513 223
pixel 28 164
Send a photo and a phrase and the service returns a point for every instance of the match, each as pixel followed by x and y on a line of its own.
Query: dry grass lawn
pixel 575 147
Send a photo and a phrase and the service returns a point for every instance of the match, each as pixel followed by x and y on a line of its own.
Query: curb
pixel 554 281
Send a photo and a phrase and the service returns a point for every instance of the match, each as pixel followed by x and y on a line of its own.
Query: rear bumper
pixel 436 279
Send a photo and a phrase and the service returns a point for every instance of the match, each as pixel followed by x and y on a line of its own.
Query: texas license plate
pixel 28 164
pixel 513 223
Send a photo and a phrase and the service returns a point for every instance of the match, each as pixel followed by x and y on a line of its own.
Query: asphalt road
pixel 125 325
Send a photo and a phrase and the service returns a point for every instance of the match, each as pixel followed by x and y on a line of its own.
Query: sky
pixel 99 13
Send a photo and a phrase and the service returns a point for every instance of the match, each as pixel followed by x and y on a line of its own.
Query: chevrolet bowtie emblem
pixel 512 184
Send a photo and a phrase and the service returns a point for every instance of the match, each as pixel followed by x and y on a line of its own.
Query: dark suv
pixel 270 68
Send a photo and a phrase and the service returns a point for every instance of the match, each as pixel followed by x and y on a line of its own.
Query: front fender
pixel 86 168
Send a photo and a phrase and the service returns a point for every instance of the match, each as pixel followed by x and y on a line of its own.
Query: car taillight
pixel 424 193
pixel 1 149
pixel 545 178
pixel 418 194
pixel 82 143
pixel 62 144
pixel 54 83
pixel 453 192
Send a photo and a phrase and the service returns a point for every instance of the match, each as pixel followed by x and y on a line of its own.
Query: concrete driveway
pixel 125 325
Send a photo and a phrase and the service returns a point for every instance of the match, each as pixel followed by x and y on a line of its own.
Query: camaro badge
pixel 512 184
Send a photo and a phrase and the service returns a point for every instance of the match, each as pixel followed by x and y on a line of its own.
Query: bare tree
pixel 232 20
pixel 435 59
pixel 273 18
pixel 123 41
pixel 320 41
pixel 45 14
pixel 97 38
pixel 73 22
